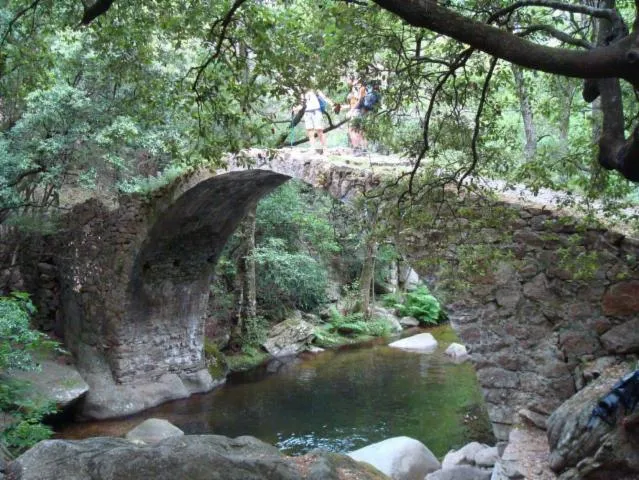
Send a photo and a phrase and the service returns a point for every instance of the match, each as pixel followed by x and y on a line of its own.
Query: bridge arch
pixel 135 280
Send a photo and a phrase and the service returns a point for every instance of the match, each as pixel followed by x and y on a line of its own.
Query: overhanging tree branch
pixel 558 34
pixel 100 7
pixel 225 21
pixel 601 62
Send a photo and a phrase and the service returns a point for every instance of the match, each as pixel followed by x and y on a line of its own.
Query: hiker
pixel 315 102
pixel 355 134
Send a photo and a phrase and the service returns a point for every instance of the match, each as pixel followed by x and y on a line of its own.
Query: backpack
pixel 370 100
pixel 323 104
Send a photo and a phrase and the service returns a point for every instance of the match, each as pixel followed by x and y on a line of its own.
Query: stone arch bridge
pixel 135 279
pixel 134 284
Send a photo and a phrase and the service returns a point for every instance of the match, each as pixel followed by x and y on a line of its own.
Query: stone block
pixel 622 299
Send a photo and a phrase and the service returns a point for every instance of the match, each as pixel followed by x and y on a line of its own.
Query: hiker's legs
pixel 352 136
pixel 322 137
pixel 311 136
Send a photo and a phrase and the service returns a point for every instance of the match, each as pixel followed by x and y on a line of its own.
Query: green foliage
pixel 147 185
pixel 345 328
pixel 288 280
pixel 298 215
pixel 421 305
pixel 249 358
pixel 25 428
pixel 215 360
pixel 17 347
pixel 254 332
pixel 19 342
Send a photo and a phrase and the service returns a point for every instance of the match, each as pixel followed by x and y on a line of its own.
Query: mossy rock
pixel 215 360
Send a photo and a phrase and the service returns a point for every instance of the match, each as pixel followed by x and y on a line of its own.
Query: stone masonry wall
pixel 132 281
pixel 562 295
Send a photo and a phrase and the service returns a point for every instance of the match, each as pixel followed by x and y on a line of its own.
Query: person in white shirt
pixel 313 120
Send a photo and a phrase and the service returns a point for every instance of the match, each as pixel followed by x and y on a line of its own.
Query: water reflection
pixel 338 401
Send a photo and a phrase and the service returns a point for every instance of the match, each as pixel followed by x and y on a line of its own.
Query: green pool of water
pixel 336 400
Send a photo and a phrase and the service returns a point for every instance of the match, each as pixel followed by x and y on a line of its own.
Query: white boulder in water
pixel 401 458
pixel 456 350
pixel 423 342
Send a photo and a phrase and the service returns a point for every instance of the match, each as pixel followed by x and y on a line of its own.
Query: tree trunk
pixel 245 290
pixel 526 114
pixel 366 280
pixel 250 294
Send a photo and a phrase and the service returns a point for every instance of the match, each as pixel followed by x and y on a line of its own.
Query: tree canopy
pixel 105 94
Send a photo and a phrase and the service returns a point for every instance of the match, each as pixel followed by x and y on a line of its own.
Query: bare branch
pixel 480 108
pixel 305 139
pixel 605 13
pixel 220 40
pixel 558 34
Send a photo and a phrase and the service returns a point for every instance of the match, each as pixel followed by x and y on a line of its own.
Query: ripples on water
pixel 336 400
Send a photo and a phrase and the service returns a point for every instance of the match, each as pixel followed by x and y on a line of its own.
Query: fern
pixel 423 306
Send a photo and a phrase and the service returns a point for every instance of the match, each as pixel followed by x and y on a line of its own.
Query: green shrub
pixel 288 280
pixel 19 342
pixel 352 325
pixel 25 428
pixel 17 402
pixel 254 332
pixel 421 305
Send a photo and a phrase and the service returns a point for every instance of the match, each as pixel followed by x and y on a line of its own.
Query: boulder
pixel 401 458
pixel 456 350
pixel 598 450
pixel 423 342
pixel 55 380
pixel 408 278
pixel 192 457
pixel 621 299
pixel 408 322
pixel 389 317
pixel 289 337
pixel 534 419
pixel 623 338
pixel 463 456
pixel 525 456
pixel 108 399
pixel 153 430
pixel 487 457
pixel 461 472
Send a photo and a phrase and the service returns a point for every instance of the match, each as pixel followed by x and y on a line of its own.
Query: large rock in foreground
pixel 401 458
pixel 598 451
pixel 191 457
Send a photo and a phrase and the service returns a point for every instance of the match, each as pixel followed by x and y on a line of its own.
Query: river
pixel 338 400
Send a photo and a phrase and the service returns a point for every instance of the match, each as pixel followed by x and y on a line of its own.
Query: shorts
pixel 313 120
pixel 357 119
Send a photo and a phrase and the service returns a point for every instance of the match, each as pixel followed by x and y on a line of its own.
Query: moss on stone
pixel 216 361
pixel 246 360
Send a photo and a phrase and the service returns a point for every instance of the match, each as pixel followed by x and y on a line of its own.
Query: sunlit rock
pixel 401 458
pixel 55 380
pixel 423 342
pixel 456 350
pixel 153 430
pixel 289 337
